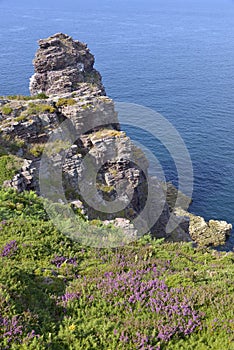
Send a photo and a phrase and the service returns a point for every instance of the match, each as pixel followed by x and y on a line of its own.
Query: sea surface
pixel 175 57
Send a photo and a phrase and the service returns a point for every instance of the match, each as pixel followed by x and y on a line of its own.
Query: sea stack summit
pixel 61 64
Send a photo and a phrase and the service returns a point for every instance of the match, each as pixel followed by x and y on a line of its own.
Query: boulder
pixel 211 233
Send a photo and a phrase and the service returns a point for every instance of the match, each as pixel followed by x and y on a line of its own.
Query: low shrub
pixel 26 204
pixel 65 102
pixel 34 109
pixel 7 110
pixel 37 149
pixel 57 294
pixel 20 118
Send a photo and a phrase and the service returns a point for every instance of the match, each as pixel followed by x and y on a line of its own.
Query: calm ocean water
pixel 176 57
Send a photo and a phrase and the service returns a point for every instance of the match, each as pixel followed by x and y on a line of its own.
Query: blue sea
pixel 173 56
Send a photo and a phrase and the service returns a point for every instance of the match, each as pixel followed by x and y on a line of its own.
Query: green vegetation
pixel 9 164
pixel 113 171
pixel 15 144
pixel 56 294
pixel 87 106
pixel 36 149
pixel 39 108
pixel 3 151
pixel 105 188
pixel 24 205
pixel 34 109
pixel 40 96
pixel 56 147
pixel 65 102
pixel 102 133
pixel 7 110
pixel 21 118
pixel 10 145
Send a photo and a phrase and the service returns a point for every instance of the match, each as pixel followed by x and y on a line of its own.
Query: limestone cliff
pixel 70 90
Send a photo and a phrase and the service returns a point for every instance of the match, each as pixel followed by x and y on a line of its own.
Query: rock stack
pixel 71 91
pixel 61 64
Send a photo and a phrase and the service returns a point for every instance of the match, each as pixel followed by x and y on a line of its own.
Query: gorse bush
pixel 56 294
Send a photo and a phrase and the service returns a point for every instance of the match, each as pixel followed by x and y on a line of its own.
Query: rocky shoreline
pixel 67 88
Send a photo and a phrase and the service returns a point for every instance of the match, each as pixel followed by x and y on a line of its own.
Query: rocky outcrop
pixel 211 233
pixel 31 121
pixel 61 64
pixel 93 144
pixel 112 156
pixel 26 178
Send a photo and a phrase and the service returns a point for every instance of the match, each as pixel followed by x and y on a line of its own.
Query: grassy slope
pixel 55 294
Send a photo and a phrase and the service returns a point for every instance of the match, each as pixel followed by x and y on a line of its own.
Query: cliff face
pixel 75 94
pixel 26 127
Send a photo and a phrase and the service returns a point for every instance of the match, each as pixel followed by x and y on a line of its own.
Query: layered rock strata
pixel 61 64
pixel 71 93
